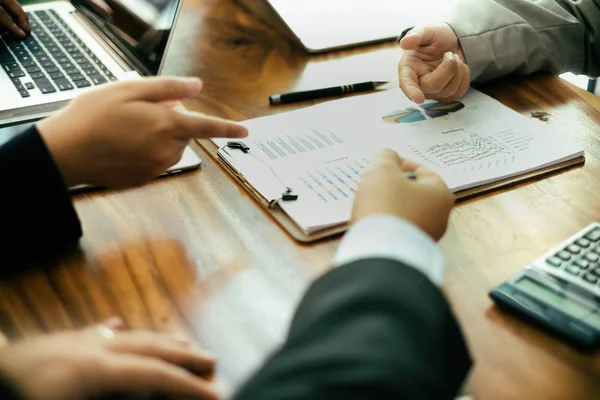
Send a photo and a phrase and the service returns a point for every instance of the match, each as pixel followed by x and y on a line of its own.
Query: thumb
pixel 412 39
pixel 159 89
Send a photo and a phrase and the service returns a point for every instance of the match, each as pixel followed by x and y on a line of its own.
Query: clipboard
pixel 290 227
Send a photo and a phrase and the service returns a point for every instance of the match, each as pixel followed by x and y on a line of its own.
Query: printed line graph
pixel 474 149
pixel 337 182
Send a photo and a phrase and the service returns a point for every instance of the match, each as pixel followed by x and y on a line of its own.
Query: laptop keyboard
pixel 53 58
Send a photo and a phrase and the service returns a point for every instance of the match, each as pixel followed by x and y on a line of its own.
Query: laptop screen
pixel 140 29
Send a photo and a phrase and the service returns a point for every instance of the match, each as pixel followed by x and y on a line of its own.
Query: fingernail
pixel 113 322
pixel 183 339
pixel 412 33
pixel 204 353
pixel 21 32
pixel 449 56
pixel 194 84
pixel 240 131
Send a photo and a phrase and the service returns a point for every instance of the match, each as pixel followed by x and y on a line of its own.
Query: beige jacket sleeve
pixel 499 37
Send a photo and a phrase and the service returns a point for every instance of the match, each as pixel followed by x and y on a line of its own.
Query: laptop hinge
pixel 106 44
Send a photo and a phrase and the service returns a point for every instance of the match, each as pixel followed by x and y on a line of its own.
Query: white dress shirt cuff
pixel 390 237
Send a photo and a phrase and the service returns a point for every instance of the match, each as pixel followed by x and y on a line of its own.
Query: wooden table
pixel 193 253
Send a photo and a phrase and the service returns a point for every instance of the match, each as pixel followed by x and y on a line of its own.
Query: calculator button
pixel 574 249
pixel 554 261
pixel 573 270
pixel 583 242
pixel 593 236
pixel 565 255
pixel 593 257
pixel 582 263
pixel 595 271
pixel 593 279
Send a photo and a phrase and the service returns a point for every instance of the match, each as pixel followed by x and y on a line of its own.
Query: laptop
pixel 75 46
pixel 78 45
pixel 325 25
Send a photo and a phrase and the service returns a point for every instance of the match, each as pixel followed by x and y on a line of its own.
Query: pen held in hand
pixel 307 95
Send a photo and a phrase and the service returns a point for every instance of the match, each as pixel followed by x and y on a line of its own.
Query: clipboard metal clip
pixel 288 195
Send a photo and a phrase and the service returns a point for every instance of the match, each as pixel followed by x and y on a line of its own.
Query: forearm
pixel 372 329
pixel 37 213
pixel 499 37
pixel 376 327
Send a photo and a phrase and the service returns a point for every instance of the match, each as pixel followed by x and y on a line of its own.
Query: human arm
pixel 492 38
pixel 499 37
pixel 119 135
pixel 375 327
pixel 105 362
pixel 13 19
pixel 37 209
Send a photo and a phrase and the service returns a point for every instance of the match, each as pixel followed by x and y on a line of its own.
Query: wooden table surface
pixel 193 253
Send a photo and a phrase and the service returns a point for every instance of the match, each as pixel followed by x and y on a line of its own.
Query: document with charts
pixel 321 151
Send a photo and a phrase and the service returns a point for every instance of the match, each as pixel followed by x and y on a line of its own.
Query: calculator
pixel 560 291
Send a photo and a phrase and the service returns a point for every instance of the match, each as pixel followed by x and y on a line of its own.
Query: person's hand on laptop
pixel 433 65
pixel 127 133
pixel 13 19
pixel 104 360
pixel 385 189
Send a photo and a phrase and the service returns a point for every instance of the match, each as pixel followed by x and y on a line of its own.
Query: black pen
pixel 293 97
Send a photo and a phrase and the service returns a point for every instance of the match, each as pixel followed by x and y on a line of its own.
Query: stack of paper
pixel 321 151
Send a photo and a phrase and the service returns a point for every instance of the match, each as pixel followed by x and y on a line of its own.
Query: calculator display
pixel 550 296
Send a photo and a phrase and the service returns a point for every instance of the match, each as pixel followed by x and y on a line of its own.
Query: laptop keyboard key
pixel 24 93
pixel 91 71
pixel 11 67
pixel 29 64
pixel 20 87
pixel 76 78
pixel 38 75
pixel 98 80
pixel 29 85
pixel 24 58
pixel 16 73
pixel 48 64
pixel 63 84
pixel 82 83
pixel 72 71
pixel 44 85
pixel 57 75
pixel 52 70
pixel 32 70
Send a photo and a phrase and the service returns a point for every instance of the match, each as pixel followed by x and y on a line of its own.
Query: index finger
pixel 199 126
pixel 436 81
pixel 131 374
pixel 17 12
pixel 409 83
pixel 420 171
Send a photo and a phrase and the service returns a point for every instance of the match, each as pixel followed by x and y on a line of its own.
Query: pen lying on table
pixel 293 97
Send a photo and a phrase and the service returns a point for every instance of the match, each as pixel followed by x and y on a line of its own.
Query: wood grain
pixel 193 253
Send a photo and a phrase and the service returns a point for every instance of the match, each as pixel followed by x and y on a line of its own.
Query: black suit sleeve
pixel 38 218
pixel 373 329
pixel 8 391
